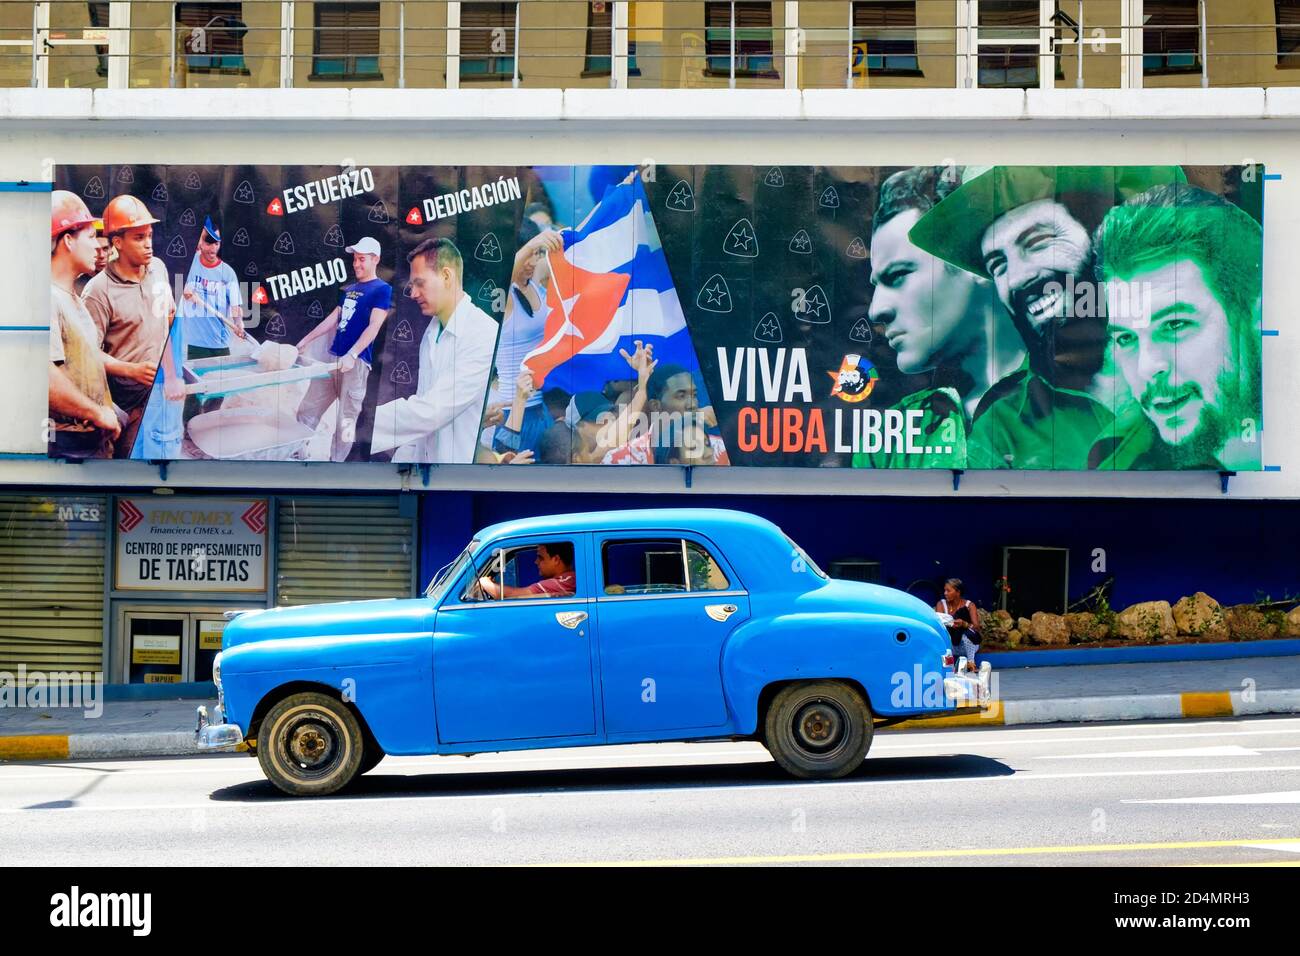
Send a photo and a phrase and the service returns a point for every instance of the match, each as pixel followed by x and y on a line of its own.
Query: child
pixel 965 617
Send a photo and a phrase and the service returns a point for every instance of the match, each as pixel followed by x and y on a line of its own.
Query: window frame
pixel 735 588
pixel 588 70
pixel 1288 59
pixel 1149 8
pixel 454 597
pixel 885 69
pixel 502 65
pixel 227 10
pixel 725 30
pixel 349 59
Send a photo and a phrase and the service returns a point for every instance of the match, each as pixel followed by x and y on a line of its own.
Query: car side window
pixel 544 570
pixel 659 566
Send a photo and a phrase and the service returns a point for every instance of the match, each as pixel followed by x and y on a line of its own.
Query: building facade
pixel 85 584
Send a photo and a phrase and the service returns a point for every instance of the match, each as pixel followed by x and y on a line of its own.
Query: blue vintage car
pixel 604 628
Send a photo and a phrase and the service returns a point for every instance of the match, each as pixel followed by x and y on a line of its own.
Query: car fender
pixel 388 678
pixel 861 647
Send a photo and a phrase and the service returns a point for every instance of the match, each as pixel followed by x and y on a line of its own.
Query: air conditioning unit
pixel 858 570
pixel 1038 578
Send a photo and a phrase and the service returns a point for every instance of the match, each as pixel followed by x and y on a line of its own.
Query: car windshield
pixel 449 572
pixel 801 554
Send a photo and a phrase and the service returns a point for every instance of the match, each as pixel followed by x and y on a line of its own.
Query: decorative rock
pixel 1013 638
pixel 1049 629
pixel 1200 616
pixel 1025 627
pixel 1146 621
pixel 1291 627
pixel 1085 626
pixel 1246 622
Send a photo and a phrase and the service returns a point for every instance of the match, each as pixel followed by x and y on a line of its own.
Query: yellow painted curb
pixel 1207 704
pixel 990 718
pixel 34 747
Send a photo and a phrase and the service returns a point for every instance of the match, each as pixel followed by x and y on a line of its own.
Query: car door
pixel 665 605
pixel 517 667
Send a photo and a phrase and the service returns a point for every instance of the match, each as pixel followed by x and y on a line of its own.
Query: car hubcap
pixel 819 727
pixel 312 744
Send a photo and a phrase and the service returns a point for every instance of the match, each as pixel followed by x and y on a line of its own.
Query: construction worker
pixel 132 304
pixel 85 422
pixel 101 256
pixel 211 307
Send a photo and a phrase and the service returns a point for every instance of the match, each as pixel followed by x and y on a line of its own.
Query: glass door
pixel 1042 44
pixel 1011 42
pixel 165 644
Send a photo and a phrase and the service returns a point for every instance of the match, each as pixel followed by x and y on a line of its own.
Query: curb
pixel 96 746
pixel 1194 704
pixel 1003 713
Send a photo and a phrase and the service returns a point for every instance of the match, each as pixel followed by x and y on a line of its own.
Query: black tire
pixel 310 745
pixel 818 729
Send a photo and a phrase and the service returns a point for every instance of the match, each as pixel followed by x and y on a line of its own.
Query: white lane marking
pixel 587 793
pixel 1279 847
pixel 1284 796
pixel 1230 750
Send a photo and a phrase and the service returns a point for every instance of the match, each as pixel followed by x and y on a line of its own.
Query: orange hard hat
pixel 67 212
pixel 126 212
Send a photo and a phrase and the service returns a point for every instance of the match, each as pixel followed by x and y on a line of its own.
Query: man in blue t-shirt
pixel 210 309
pixel 354 323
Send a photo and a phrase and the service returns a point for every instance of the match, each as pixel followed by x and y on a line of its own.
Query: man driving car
pixel 555 566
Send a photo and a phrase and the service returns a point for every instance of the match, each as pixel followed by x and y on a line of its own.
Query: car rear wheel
pixel 310 745
pixel 818 729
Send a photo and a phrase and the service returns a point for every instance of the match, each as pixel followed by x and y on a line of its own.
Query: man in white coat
pixel 439 424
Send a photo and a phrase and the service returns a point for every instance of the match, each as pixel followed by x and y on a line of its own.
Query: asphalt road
pixel 1177 793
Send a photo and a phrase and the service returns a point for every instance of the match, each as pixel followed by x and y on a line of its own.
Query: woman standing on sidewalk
pixel 963 620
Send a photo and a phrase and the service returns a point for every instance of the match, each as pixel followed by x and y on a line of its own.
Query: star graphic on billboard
pixel 681 198
pixel 816 308
pixel 857 249
pixel 768 329
pixel 187 218
pixel 489 249
pixel 741 240
pixel 94 189
pixel 829 198
pixel 244 193
pixel 715 296
pixel 801 243
pixel 774 177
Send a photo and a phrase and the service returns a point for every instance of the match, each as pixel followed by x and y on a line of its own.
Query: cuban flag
pixel 609 288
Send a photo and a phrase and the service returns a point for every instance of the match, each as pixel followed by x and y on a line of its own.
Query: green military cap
pixel 954 227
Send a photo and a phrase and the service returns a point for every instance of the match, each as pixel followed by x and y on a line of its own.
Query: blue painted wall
pixel 1235 550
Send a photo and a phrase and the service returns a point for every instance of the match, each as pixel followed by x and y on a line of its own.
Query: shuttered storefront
pixel 52 583
pixel 342 549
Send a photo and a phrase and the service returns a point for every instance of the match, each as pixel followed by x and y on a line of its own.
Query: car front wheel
pixel 310 745
pixel 818 729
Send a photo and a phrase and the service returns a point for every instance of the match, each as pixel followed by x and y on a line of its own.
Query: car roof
pixel 657 519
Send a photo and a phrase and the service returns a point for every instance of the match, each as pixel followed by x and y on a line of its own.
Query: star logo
pixel 489 249
pixel 816 308
pixel 260 296
pixel 861 331
pixel 741 240
pixel 275 207
pixel 857 249
pixel 715 296
pixel 768 329
pixel 414 218
pixel 801 243
pixel 284 244
pixel 774 178
pixel 681 198
pixel 240 238
pixel 829 198
pixel 244 193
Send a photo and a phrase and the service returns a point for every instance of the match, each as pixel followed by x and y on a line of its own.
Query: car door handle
pixel 720 612
pixel 570 619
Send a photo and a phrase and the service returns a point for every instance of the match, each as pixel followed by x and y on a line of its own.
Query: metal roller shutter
pixel 342 549
pixel 52 583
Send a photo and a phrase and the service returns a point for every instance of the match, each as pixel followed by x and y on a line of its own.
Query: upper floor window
pixel 345 43
pixel 212 37
pixel 600 39
pixel 1288 32
pixel 487 40
pixel 884 38
pixel 1170 37
pixel 753 39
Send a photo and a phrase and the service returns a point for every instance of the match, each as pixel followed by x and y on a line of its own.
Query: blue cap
pixel 210 229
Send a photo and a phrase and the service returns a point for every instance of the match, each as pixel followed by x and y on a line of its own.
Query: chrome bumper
pixel 214 733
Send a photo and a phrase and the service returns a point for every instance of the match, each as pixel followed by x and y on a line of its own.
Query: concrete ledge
pixel 639 108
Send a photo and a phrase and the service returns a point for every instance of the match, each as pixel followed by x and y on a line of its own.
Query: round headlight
pixel 216 670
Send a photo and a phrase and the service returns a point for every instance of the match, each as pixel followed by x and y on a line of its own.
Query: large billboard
pixel 954 317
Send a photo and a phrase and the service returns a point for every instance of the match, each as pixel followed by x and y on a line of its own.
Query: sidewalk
pixel 1035 695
